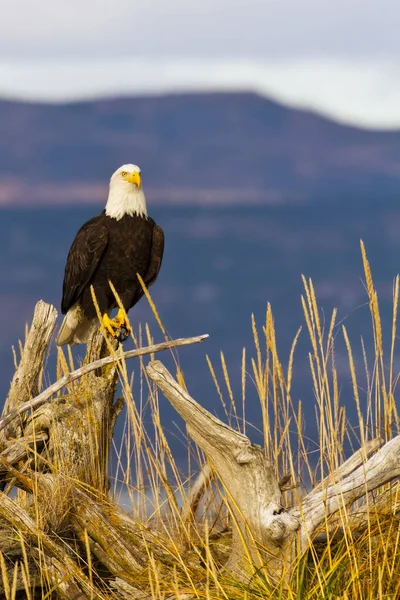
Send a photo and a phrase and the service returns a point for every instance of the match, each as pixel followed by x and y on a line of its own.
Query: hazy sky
pixel 339 56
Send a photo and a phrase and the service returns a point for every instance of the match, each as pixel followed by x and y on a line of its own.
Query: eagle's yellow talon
pixel 120 323
pixel 123 322
pixel 110 325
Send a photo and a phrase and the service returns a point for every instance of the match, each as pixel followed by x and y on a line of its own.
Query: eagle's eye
pixel 124 173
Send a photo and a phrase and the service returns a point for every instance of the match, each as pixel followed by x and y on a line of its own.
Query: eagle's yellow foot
pixel 118 327
pixel 123 322
pixel 111 325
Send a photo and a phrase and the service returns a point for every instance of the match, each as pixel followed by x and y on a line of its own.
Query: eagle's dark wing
pixel 157 252
pixel 83 259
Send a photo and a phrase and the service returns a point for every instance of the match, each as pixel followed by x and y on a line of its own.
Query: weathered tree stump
pixel 59 455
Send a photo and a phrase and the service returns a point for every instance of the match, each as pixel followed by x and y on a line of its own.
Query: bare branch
pixel 97 364
pixel 19 519
pixel 18 449
pixel 351 464
pixel 378 470
pixel 196 493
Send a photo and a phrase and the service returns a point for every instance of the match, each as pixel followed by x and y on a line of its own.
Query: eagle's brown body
pixel 106 249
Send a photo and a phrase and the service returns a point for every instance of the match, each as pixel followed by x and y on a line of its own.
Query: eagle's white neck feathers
pixel 125 197
pixel 123 202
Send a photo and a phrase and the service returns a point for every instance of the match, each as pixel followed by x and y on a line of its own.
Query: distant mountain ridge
pixel 238 144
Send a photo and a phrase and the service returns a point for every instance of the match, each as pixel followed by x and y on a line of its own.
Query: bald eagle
pixel 114 246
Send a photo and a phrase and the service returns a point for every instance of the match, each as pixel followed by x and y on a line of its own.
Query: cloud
pixel 338 57
pixel 262 29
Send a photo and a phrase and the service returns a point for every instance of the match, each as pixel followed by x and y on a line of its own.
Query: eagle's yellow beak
pixel 133 178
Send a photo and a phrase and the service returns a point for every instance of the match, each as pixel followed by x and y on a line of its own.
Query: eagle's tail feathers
pixel 65 334
pixel 75 328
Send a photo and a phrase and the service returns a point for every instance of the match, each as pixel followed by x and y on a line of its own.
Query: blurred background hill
pixel 224 148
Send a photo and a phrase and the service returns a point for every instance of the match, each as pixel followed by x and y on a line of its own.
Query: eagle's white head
pixel 126 196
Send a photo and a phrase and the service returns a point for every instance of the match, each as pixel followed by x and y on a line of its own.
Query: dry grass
pixel 362 563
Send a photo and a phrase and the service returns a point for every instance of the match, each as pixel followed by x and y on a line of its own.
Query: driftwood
pixel 56 449
pixel 253 491
pixel 266 526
